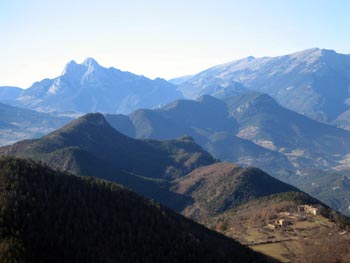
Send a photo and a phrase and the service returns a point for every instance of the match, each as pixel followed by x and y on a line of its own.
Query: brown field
pixel 307 238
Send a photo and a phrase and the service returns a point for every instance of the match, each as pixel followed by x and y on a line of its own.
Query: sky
pixel 158 38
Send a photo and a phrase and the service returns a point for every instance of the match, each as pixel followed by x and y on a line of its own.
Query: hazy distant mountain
pixel 180 79
pixel 306 143
pixel 9 93
pixel 89 87
pixel 49 216
pixel 343 120
pixel 250 129
pixel 207 120
pixel 211 85
pixel 18 124
pixel 313 82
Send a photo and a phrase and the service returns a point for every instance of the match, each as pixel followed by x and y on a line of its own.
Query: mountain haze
pixel 89 87
pixel 314 82
pixel 207 120
pixel 306 143
pixel 251 129
pixel 18 124
pixel 9 93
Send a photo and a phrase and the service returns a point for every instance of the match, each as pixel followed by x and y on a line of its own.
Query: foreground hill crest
pixel 49 216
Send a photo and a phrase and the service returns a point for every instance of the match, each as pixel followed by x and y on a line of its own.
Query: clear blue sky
pixel 160 38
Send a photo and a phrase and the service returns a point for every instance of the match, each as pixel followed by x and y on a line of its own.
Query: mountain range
pixel 207 120
pixel 188 144
pixel 313 82
pixel 89 87
pixel 177 173
pixel 249 129
pixel 89 146
pixel 253 124
pixel 306 142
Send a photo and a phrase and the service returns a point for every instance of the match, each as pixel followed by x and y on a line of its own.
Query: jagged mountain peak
pixel 89 87
pixel 71 63
pixel 72 67
pixel 90 61
pixel 87 66
pixel 91 64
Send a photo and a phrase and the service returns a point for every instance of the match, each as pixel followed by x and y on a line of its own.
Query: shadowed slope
pixel 49 216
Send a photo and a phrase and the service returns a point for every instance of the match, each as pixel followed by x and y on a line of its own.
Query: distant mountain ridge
pixel 8 93
pixel 89 146
pixel 89 87
pixel 250 129
pixel 18 124
pixel 232 127
pixel 314 82
pixel 305 141
pixel 207 120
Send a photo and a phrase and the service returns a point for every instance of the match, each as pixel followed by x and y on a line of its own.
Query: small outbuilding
pixel 309 209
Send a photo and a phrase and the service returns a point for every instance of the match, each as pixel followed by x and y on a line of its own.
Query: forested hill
pixel 90 146
pixel 48 216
